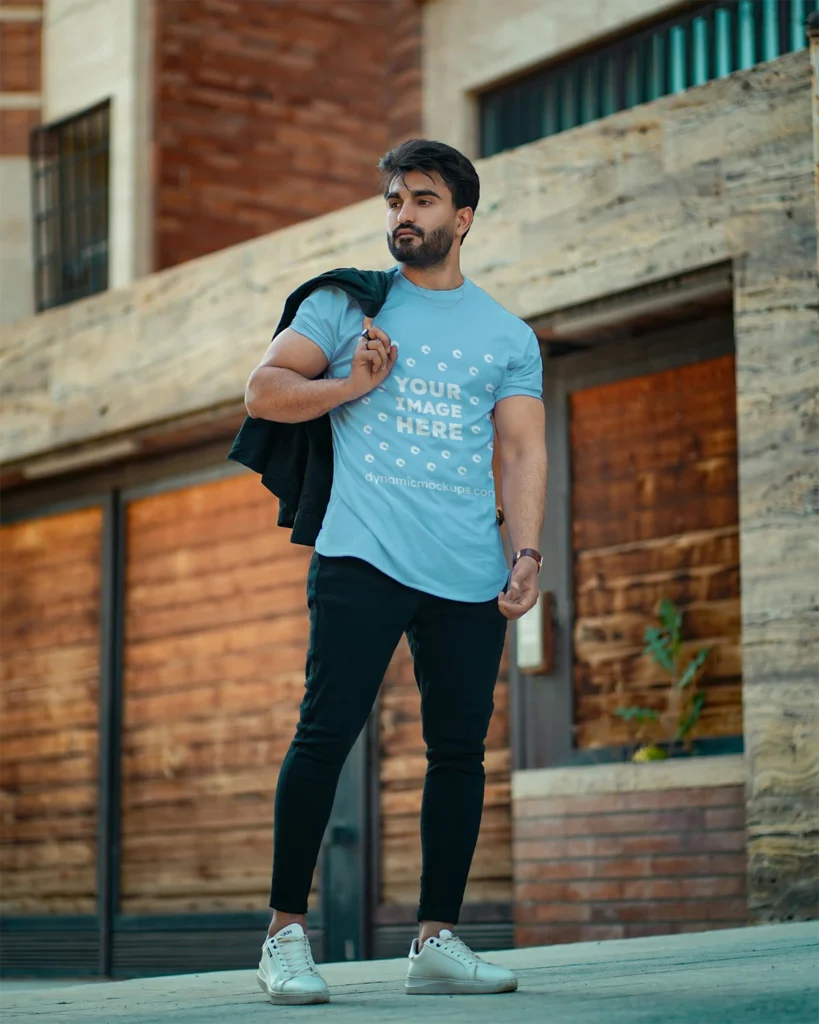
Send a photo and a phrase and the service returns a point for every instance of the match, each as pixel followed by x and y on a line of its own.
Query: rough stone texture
pixel 720 173
pixel 271 113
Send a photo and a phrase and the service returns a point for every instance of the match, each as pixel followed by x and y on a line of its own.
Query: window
pixel 69 166
pixel 708 42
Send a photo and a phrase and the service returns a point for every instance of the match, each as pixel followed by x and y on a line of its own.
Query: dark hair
pixel 423 155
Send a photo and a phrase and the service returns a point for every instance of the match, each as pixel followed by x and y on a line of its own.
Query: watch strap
pixel 531 553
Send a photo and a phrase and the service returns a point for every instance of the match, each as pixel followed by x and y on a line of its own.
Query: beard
pixel 431 251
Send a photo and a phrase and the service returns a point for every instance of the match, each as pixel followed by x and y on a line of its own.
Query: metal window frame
pixel 740 34
pixel 66 202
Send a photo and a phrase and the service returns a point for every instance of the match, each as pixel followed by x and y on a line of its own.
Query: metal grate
pixel 709 42
pixel 69 167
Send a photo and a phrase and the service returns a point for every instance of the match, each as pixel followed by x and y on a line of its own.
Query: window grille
pixel 707 42
pixel 69 168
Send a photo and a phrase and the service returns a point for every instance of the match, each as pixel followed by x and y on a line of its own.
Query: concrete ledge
pixel 676 773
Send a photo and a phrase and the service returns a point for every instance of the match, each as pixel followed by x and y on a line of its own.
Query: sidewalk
pixel 765 975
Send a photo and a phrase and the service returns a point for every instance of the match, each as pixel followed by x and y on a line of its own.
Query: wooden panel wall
pixel 654 497
pixel 403 764
pixel 215 640
pixel 49 665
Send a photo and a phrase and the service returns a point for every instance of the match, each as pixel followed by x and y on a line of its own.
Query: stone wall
pixel 271 113
pixel 722 173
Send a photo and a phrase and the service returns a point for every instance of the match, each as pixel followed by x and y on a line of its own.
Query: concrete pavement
pixel 763 975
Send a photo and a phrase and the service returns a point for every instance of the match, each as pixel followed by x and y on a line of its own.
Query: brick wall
pixel 20 56
pixel 268 112
pixel 615 865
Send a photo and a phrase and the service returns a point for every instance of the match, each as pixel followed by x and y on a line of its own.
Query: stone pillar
pixel 777 342
pixel 813 37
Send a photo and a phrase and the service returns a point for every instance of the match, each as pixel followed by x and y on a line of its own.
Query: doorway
pixel 642 506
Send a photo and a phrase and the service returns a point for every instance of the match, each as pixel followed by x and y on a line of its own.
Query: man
pixel 409 544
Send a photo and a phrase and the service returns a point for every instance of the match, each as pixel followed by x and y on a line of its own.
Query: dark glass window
pixel 69 167
pixel 708 41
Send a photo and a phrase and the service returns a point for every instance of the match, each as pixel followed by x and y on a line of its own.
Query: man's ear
pixel 466 216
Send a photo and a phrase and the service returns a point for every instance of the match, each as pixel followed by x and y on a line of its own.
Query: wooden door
pixel 642 505
pixel 215 637
pixel 654 515
pixel 50 574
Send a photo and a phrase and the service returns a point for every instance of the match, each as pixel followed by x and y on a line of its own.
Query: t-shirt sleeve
pixel 319 318
pixel 524 374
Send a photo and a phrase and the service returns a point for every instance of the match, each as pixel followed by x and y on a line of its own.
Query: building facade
pixel 649 206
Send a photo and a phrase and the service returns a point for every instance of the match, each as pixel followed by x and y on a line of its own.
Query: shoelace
pixel 295 956
pixel 459 948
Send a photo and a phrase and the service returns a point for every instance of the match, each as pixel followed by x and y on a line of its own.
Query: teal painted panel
pixel 689 50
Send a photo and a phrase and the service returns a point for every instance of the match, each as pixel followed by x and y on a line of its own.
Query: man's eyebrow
pixel 415 193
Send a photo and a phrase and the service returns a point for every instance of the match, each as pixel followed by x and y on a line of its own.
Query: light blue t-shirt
pixel 413 489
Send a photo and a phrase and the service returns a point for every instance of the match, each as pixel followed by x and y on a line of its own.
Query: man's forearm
pixel 523 488
pixel 285 396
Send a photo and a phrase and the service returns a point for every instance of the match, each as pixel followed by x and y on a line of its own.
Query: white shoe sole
pixel 452 987
pixel 291 998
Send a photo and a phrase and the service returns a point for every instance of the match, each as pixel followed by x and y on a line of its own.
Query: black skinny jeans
pixel 357 617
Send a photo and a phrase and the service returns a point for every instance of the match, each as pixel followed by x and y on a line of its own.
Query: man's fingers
pixel 378 348
pixel 376 332
pixel 513 608
pixel 375 359
pixel 374 354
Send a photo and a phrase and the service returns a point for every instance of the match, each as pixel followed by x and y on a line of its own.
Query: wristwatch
pixel 531 553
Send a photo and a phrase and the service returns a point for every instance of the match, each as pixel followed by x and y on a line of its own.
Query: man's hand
pixel 523 590
pixel 372 361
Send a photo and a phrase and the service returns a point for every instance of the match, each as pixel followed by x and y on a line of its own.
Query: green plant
pixel 685 701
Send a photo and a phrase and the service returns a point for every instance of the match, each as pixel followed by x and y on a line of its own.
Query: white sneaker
pixel 445 965
pixel 287 972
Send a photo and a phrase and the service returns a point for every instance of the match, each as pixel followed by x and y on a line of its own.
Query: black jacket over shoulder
pixel 295 460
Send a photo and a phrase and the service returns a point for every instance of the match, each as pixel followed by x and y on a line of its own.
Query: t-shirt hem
pixel 517 392
pixel 304 330
pixel 414 585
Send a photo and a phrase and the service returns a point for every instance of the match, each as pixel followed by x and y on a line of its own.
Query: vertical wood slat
pixel 49 660
pixel 215 638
